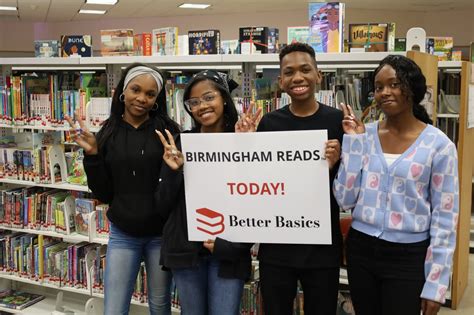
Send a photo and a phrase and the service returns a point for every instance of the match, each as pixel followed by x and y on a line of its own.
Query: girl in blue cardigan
pixel 399 177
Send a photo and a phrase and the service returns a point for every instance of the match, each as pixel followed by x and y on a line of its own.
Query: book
pixel 326 26
pixel 372 36
pixel 229 47
pixel 456 55
pixel 76 45
pixel 18 299
pixel 297 34
pixel 83 208
pixel 266 39
pixel 47 48
pixel 183 45
pixel 165 41
pixel 116 42
pixel 142 44
pixel 76 173
pixel 204 42
pixel 441 47
pixel 400 44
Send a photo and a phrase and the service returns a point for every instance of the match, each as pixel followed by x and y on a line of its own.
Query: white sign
pixel 266 187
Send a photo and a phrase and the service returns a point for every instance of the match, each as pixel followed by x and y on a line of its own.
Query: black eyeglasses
pixel 193 103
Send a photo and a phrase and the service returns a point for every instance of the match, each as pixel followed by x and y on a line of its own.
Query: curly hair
pixel 412 82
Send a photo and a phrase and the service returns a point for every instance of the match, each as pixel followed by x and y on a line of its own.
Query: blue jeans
pixel 202 292
pixel 124 255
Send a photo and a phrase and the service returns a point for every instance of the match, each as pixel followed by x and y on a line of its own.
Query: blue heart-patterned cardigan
pixel 414 199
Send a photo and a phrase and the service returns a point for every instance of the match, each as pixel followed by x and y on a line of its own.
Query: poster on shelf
pixel 265 187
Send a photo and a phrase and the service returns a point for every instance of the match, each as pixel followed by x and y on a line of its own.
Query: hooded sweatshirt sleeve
pixel 98 178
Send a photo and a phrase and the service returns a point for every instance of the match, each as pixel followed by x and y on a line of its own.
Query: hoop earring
pixel 122 98
pixel 155 107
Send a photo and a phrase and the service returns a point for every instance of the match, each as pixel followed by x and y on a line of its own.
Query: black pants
pixel 279 284
pixel 385 278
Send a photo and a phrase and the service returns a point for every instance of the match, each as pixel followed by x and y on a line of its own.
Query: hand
pixel 209 244
pixel 429 307
pixel 333 152
pixel 350 123
pixel 172 156
pixel 82 136
pixel 248 121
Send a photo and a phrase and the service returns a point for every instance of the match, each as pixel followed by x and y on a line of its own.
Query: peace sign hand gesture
pixel 172 156
pixel 248 121
pixel 82 136
pixel 350 123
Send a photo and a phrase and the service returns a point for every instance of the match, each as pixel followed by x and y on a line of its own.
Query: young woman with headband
pixel 123 163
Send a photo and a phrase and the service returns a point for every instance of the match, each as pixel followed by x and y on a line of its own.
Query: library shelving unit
pixel 249 64
pixel 466 157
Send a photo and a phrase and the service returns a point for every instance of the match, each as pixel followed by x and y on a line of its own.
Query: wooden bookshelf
pixel 465 165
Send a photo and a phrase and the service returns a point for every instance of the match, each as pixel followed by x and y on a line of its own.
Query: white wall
pixel 17 36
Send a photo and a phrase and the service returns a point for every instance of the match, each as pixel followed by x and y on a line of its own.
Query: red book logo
pixel 211 222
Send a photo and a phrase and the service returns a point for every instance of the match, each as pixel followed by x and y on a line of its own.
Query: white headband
pixel 134 72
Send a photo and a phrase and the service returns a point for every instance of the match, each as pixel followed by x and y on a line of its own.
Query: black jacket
pixel 176 250
pixel 125 175
pixel 305 255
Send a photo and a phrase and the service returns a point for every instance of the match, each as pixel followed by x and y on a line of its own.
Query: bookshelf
pixel 249 64
pixel 465 164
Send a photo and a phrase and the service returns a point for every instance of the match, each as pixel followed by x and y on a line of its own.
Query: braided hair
pixel 412 82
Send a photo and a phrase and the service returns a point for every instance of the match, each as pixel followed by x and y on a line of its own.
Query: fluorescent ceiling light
pixel 92 11
pixel 105 2
pixel 7 8
pixel 194 6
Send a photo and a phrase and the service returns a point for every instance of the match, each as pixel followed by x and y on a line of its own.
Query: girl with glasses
pixel 209 276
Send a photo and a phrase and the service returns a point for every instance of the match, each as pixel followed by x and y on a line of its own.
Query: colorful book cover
pixel 265 39
pixel 441 47
pixel 372 36
pixel 297 34
pixel 165 41
pixel 456 55
pixel 83 208
pixel 326 26
pixel 47 48
pixel 142 44
pixel 18 299
pixel 117 42
pixel 76 45
pixel 204 42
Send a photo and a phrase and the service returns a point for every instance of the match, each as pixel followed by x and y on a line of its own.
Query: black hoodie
pixel 125 174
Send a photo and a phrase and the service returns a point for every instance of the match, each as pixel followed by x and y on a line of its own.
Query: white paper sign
pixel 267 187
